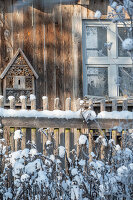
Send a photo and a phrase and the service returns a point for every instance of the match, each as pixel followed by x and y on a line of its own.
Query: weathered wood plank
pixel 65 123
pixel 43 122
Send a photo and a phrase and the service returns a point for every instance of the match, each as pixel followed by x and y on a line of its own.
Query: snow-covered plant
pixel 28 174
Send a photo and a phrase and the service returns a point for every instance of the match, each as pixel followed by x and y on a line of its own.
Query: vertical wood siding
pixel 52 41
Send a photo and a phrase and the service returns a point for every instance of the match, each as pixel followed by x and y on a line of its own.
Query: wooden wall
pixel 51 38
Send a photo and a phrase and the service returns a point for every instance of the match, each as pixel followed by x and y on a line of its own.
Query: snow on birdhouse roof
pixel 19 51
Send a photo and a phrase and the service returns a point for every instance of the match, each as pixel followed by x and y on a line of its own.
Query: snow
pixel 115 115
pixel 46 113
pixel 127 44
pixel 22 97
pixel 98 14
pixel 1 131
pixel 114 5
pixel 82 162
pixel 119 9
pixel 74 171
pixel 122 171
pixel 8 195
pixel 33 152
pixel 1 97
pixel 44 97
pixel 25 177
pixel 48 142
pixel 25 153
pixel 62 151
pixel 17 135
pixel 32 97
pixel 89 115
pixel 82 139
pixel 11 98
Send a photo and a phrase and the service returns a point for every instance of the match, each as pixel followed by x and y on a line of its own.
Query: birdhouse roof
pixel 19 51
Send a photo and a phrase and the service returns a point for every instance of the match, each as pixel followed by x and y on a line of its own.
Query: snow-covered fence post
pixel 90 104
pixel 45 102
pixel 12 102
pixel 1 101
pixel 56 104
pixel 124 105
pixel 114 105
pixel 68 104
pixel 102 105
pixel 23 101
pixel 90 144
pixel 33 102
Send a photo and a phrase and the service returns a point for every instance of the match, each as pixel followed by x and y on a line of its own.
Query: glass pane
pixel 122 31
pixel 126 81
pixel 97 81
pixel 96 37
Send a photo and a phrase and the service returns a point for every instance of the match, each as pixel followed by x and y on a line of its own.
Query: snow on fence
pixel 66 126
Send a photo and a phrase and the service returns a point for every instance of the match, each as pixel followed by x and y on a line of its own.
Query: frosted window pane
pixel 122 31
pixel 126 87
pixel 96 37
pixel 97 81
pixel 91 37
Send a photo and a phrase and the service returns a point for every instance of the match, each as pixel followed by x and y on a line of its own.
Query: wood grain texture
pixel 65 123
pixel 52 41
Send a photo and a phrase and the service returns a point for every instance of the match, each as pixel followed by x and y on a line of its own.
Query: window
pixel 106 67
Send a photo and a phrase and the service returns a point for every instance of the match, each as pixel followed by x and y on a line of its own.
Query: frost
pixel 98 14
pixel 25 177
pixel 17 135
pixel 114 5
pixel 82 139
pixel 127 44
pixel 25 153
pixel 33 152
pixel 82 162
pixel 122 171
pixel 74 171
pixel 119 9
pixel 62 151
pixel 8 195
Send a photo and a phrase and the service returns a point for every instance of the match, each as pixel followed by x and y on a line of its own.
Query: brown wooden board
pixel 64 123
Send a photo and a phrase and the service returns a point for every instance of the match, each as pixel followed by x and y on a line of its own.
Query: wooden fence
pixel 66 131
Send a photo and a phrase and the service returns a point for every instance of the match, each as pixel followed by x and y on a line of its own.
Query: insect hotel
pixel 61 54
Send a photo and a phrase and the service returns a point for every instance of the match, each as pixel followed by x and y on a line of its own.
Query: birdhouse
pixel 18 77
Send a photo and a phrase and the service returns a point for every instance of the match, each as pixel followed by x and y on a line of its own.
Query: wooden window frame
pixel 112 61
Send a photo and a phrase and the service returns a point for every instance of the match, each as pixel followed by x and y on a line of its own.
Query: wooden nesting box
pixel 18 77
